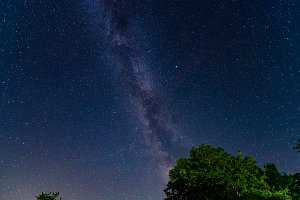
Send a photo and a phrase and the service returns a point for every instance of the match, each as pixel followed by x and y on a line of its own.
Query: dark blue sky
pixel 99 97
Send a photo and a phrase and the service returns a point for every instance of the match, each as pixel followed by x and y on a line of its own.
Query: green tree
pixel 48 196
pixel 211 173
pixel 274 177
pixel 282 181
pixel 296 187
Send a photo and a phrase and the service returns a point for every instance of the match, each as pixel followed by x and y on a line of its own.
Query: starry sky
pixel 98 98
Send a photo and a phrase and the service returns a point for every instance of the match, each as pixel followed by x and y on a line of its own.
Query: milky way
pixel 158 128
pixel 98 97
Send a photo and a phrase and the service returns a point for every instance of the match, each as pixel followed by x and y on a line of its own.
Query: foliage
pixel 210 173
pixel 297 147
pixel 48 196
pixel 295 188
pixel 280 181
pixel 275 179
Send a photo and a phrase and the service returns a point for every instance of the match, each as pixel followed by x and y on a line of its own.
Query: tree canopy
pixel 297 147
pixel 49 196
pixel 210 173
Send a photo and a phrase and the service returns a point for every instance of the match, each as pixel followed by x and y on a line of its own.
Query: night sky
pixel 98 98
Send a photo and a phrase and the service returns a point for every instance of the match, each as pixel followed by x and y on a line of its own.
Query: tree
pixel 295 189
pixel 297 147
pixel 274 177
pixel 48 196
pixel 212 174
pixel 281 181
pixel 276 180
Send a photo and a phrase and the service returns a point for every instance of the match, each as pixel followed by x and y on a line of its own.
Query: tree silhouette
pixel 297 147
pixel 48 196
